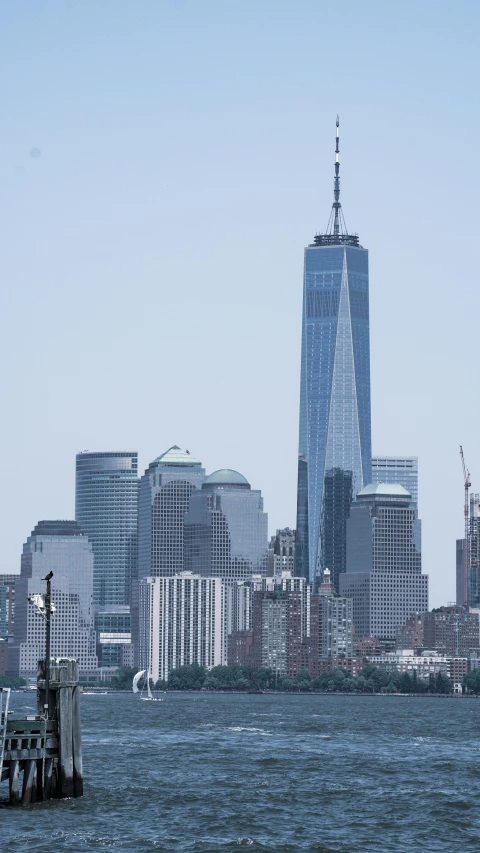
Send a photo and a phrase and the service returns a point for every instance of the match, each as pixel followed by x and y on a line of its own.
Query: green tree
pixel 190 677
pixel 123 678
pixel 12 681
pixel 303 680
pixel 443 683
pixel 471 681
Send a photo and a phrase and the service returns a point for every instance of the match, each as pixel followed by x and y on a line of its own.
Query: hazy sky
pixel 163 165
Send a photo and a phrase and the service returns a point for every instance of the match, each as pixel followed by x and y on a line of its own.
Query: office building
pixel 474 564
pixel 182 621
pixel 384 572
pixel 281 552
pixel 164 494
pixel 335 452
pixel 106 503
pixel 402 470
pixel 226 529
pixel 114 637
pixel 60 547
pixel 7 604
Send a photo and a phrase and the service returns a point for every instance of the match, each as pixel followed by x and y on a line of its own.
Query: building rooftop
pixel 176 457
pixel 57 528
pixel 391 490
pixel 226 477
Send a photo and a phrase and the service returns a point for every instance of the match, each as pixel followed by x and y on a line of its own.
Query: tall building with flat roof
pixel 281 623
pixel 182 621
pixel 106 504
pixel 334 453
pixel 62 548
pixel 384 564
pixel 226 529
pixel 397 469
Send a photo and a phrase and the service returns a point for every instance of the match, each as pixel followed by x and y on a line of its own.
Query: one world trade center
pixel 334 454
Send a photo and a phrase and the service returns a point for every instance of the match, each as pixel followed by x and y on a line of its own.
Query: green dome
pixel 226 477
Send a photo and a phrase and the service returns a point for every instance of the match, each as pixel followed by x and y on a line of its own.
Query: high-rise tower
pixel 106 505
pixel 334 461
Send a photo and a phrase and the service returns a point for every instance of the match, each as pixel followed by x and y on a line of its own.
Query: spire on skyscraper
pixel 336 231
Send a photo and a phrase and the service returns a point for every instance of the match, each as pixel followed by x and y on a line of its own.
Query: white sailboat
pixel 136 679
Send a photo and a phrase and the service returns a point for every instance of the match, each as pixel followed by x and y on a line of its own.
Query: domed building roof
pixel 384 490
pixel 226 477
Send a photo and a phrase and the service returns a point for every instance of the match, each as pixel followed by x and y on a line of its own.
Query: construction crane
pixel 466 544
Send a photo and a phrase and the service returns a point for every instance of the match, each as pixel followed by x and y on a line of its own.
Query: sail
pixel 148 686
pixel 136 679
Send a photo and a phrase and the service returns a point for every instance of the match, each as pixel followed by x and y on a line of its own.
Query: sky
pixel 163 165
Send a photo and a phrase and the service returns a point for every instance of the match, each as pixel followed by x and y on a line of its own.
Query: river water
pixel 222 772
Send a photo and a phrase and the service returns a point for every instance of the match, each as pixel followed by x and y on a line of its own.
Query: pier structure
pixel 41 755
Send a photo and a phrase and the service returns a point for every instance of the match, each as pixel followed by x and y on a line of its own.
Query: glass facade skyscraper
pixel 106 506
pixel 397 469
pixel 335 453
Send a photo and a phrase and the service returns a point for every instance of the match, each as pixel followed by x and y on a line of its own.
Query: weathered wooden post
pixel 65 727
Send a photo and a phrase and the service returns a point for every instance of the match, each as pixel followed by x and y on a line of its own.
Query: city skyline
pixel 106 209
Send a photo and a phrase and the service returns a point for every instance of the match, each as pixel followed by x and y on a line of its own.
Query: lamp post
pixel 48 613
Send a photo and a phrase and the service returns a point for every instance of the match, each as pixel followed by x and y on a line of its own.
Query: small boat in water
pixel 146 683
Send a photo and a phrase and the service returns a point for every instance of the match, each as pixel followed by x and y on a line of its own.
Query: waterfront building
pixel 411 634
pixel 331 624
pixel 335 454
pixel 281 552
pixel 226 529
pixel 281 623
pixel 164 494
pixel 106 504
pixel 402 470
pixel 182 621
pixel 423 665
pixel 453 631
pixel 60 547
pixel 384 572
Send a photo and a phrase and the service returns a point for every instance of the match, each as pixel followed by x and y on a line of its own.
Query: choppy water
pixel 207 773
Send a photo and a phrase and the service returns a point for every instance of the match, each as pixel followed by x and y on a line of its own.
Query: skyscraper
pixel 60 547
pixel 226 528
pixel 384 562
pixel 182 621
pixel 334 461
pixel 106 502
pixel 165 490
pixel 397 469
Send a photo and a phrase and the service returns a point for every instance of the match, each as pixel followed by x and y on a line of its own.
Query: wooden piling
pixel 49 751
pixel 65 730
pixel 77 743
pixel 48 790
pixel 14 783
pixel 28 781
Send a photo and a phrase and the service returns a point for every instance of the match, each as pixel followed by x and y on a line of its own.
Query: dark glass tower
pixel 335 455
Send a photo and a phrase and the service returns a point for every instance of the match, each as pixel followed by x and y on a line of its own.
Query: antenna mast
pixel 466 546
pixel 336 183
